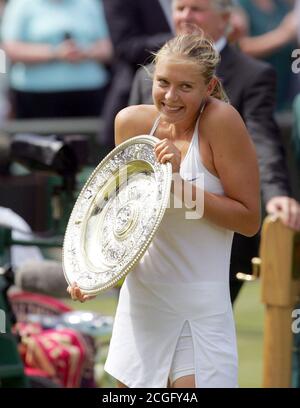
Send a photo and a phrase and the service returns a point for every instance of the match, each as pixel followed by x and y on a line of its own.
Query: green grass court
pixel 249 315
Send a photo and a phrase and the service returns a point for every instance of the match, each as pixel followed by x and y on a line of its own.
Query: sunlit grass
pixel 249 325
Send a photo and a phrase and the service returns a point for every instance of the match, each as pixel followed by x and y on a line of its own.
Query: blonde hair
pixel 198 50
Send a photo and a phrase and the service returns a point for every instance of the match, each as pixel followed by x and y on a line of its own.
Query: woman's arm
pixel 236 165
pixel 266 44
pixel 19 51
pixel 101 51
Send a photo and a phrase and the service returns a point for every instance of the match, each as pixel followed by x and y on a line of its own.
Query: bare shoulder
pixel 225 131
pixel 133 121
pixel 222 124
pixel 219 114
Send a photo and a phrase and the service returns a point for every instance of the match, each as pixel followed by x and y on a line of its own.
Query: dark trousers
pixel 235 287
pixel 243 250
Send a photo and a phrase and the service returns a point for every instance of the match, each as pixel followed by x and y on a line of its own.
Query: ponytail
pixel 219 92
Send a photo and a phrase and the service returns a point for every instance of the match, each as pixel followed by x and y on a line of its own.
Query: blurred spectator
pixel 270 35
pixel 137 28
pixel 58 49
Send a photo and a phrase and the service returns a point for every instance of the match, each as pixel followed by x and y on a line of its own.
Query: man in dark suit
pixel 137 28
pixel 250 86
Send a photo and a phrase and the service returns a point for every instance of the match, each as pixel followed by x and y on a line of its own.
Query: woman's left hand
pixel 166 151
pixel 77 294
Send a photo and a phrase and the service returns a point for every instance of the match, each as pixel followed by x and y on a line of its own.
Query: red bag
pixel 60 354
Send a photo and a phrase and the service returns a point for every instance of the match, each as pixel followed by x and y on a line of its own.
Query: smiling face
pixel 189 14
pixel 178 89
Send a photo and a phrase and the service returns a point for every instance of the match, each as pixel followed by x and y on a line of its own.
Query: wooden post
pixel 280 291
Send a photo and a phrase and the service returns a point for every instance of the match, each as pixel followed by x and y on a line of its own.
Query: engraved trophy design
pixel 116 215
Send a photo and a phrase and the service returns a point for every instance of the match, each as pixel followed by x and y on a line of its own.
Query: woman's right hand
pixel 76 293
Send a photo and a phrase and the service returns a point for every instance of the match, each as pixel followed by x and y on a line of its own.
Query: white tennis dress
pixel 183 278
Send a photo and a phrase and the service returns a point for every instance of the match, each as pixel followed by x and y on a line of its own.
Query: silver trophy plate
pixel 116 215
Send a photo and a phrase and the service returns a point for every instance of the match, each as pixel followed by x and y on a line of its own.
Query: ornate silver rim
pixel 137 156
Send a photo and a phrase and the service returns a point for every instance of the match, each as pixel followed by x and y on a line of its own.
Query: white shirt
pixel 220 44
